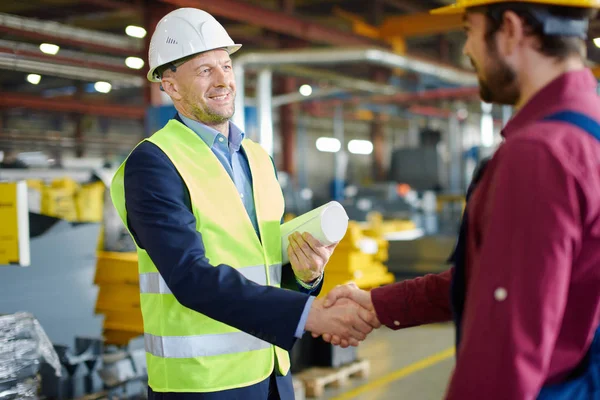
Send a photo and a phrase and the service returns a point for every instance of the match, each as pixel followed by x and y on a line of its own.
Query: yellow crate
pixel 130 321
pixel 59 203
pixel 342 261
pixel 116 297
pixel 115 268
pixel 376 276
pixel 89 201
pixel 119 338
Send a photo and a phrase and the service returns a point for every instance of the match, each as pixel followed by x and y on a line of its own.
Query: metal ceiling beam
pixel 339 80
pixel 57 33
pixel 278 22
pixel 428 95
pixel 15 100
pixel 407 98
pixel 29 65
pixel 113 64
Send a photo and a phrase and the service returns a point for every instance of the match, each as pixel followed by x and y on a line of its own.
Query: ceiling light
pixel 135 31
pixel 134 62
pixel 328 144
pixel 305 90
pixel 597 42
pixel 102 87
pixel 34 79
pixel 49 48
pixel 360 147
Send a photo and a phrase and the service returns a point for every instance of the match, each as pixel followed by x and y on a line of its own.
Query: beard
pixel 206 114
pixel 497 82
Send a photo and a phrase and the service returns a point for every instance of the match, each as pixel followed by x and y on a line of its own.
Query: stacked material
pixel 358 258
pixel 23 347
pixel 119 296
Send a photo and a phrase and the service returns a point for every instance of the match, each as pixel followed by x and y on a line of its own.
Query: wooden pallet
pixel 316 379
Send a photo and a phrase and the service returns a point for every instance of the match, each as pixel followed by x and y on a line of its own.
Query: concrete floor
pixel 391 351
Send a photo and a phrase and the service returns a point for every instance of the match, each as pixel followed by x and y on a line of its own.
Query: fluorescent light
pixel 34 79
pixel 597 42
pixel 360 147
pixel 49 48
pixel 328 144
pixel 134 62
pixel 305 90
pixel 102 87
pixel 135 31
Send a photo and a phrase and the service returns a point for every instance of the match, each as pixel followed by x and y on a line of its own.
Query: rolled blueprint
pixel 328 224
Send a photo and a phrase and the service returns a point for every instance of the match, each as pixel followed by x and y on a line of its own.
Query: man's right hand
pixel 346 320
pixel 354 293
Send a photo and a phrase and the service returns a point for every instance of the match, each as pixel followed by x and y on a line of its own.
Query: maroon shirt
pixel 533 256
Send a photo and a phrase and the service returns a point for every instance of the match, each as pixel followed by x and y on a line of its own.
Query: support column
pixel 341 157
pixel 287 126
pixel 378 133
pixel 78 118
pixel 455 154
pixel 264 97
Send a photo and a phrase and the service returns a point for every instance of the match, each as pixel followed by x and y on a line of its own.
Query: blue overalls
pixel 585 384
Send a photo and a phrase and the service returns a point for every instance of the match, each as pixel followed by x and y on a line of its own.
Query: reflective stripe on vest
pixel 153 282
pixel 202 345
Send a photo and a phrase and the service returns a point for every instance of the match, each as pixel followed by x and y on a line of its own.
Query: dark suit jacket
pixel 160 218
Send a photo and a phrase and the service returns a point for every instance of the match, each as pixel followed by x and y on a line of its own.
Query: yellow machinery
pixel 360 255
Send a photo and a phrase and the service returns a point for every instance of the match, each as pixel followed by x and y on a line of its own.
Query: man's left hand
pixel 308 256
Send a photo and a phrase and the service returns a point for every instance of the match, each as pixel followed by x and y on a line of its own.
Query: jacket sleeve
pixel 419 301
pixel 161 221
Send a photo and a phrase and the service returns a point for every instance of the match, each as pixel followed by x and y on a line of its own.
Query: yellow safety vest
pixel 187 351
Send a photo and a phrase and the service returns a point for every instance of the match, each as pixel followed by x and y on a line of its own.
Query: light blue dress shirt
pixel 231 155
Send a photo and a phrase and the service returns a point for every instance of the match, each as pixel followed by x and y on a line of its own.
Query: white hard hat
pixel 185 32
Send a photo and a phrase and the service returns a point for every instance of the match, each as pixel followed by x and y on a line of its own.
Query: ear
pixel 513 32
pixel 171 87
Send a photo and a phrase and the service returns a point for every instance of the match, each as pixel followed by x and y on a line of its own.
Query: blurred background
pixel 370 104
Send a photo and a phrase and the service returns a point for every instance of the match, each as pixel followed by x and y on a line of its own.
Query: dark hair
pixel 559 47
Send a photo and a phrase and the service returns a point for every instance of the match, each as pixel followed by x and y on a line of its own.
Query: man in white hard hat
pixel 204 208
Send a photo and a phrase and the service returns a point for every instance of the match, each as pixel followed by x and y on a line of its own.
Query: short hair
pixel 555 46
pixel 172 65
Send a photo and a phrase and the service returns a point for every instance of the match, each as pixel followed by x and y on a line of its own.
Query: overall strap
pixel 578 119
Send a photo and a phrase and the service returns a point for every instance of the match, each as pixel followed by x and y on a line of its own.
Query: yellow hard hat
pixel 461 5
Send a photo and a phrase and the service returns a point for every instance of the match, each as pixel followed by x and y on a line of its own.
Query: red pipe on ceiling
pixel 278 22
pixel 15 100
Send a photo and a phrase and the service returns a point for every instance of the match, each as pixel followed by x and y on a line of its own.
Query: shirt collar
pixel 558 94
pixel 210 135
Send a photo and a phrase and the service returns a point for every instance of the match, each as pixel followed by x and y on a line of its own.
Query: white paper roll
pixel 328 224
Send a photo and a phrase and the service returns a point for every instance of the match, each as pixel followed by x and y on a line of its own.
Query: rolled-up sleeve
pixel 159 215
pixel 517 291
pixel 413 302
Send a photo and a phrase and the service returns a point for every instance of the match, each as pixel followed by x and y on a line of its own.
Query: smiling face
pixel 204 87
pixel 498 81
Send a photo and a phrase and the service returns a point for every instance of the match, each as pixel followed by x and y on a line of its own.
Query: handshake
pixel 344 318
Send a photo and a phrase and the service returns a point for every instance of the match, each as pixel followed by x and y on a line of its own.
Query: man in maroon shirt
pixel 527 266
